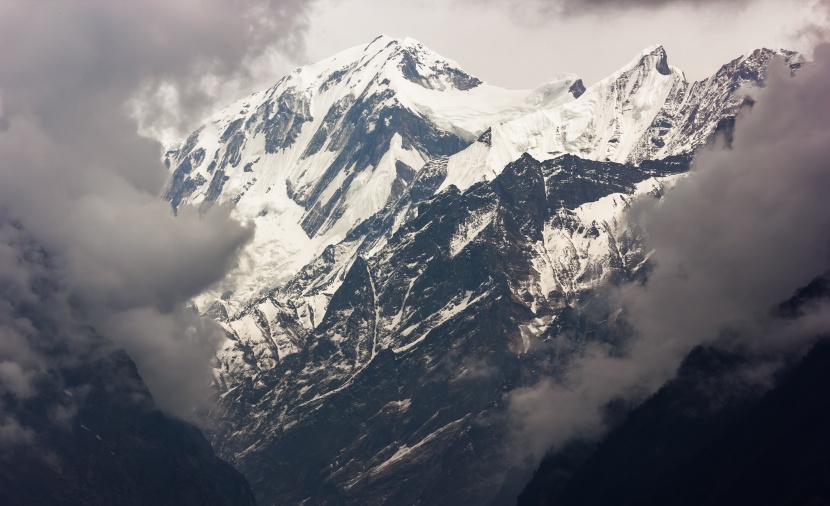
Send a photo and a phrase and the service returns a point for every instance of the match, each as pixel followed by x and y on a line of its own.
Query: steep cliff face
pixel 405 374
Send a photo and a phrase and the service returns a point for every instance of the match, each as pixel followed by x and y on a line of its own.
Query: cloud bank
pixel 85 241
pixel 746 229
pixel 532 9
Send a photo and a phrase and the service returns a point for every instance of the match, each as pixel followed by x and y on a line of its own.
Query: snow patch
pixel 469 230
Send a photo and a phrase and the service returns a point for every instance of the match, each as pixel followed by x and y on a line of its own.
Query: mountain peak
pixel 421 65
pixel 384 40
pixel 380 43
pixel 651 60
pixel 409 58
pixel 385 60
pixel 763 55
pixel 652 57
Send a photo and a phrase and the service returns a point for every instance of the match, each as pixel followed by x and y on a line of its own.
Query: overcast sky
pixel 512 45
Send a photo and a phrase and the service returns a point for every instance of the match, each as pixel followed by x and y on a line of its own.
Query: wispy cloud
pixel 742 233
pixel 84 238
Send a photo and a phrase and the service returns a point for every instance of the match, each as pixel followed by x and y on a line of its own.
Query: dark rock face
pixel 397 394
pixel 662 64
pixel 577 88
pixel 82 428
pixel 682 448
pixel 775 453
pixel 113 447
pixel 329 126
pixel 668 427
pixel 405 174
pixel 182 184
pixel 486 138
pixel 575 181
pixel 709 437
pixel 361 136
pixel 282 120
pixel 459 79
pixel 214 189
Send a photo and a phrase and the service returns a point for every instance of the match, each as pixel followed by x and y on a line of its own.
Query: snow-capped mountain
pixel 646 110
pixel 331 144
pixel 707 106
pixel 462 231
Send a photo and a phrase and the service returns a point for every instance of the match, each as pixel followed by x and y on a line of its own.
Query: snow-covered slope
pixel 331 144
pixel 646 110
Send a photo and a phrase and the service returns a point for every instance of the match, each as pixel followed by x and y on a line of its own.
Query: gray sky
pixel 523 44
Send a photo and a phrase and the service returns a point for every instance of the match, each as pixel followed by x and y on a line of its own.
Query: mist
pixel 87 247
pixel 741 234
